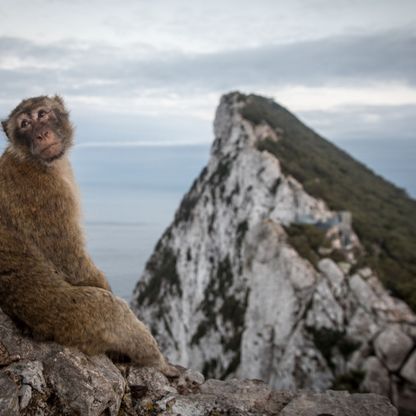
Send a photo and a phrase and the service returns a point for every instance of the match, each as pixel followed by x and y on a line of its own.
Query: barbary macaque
pixel 47 280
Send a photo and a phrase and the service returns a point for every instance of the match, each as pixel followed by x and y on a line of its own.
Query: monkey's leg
pixel 133 338
pixel 90 318
pixel 96 321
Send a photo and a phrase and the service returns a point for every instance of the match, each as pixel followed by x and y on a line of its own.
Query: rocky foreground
pixel 47 379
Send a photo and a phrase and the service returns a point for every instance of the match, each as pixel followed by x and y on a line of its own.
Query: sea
pixel 130 194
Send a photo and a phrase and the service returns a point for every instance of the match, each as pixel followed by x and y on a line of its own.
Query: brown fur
pixel 47 280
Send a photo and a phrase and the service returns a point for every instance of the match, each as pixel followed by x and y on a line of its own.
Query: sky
pixel 154 71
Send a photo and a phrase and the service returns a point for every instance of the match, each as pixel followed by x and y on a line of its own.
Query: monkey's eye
pixel 41 114
pixel 24 124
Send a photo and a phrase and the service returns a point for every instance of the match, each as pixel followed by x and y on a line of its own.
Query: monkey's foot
pixel 169 370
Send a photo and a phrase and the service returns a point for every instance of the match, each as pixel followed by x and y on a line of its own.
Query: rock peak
pixel 258 277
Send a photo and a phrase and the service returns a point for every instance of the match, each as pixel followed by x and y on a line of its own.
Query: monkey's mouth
pixel 51 151
pixel 48 147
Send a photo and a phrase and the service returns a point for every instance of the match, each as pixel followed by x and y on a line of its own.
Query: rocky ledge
pixel 39 378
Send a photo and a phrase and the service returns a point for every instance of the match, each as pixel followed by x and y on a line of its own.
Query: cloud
pixel 301 98
pixel 344 86
pixel 92 69
pixel 381 122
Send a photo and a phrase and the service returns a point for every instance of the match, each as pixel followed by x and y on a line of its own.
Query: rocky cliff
pixel 259 277
pixel 46 379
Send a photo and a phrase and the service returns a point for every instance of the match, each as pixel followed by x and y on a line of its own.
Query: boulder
pixel 376 377
pixel 392 347
pixel 409 369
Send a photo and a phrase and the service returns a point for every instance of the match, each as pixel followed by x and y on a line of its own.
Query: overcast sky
pixel 154 71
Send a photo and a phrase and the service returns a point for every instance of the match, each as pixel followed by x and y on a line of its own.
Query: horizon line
pixel 141 144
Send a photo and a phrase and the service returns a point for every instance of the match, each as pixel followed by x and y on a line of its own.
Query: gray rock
pixel 53 380
pixel 30 372
pixel 409 369
pixel 25 395
pixel 235 397
pixel 84 385
pixel 377 378
pixel 392 347
pixel 9 398
pixel 334 274
pixel 362 325
pixel 194 376
pixel 409 330
pixel 404 397
pixel 339 404
pixel 241 394
pixel 363 292
pixel 148 380
pixel 251 397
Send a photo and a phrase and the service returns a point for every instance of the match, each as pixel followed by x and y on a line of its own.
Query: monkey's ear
pixel 59 100
pixel 4 126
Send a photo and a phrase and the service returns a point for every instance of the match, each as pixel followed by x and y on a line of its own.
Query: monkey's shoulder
pixel 35 199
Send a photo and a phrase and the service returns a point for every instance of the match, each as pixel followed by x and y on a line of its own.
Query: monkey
pixel 48 282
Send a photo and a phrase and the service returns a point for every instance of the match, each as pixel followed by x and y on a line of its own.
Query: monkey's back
pixel 39 204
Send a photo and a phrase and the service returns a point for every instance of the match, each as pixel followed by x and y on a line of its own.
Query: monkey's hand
pixel 96 280
pixel 87 274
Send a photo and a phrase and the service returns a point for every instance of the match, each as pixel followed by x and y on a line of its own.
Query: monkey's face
pixel 40 128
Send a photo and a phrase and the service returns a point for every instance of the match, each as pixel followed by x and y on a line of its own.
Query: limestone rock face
pixel 255 278
pixel 46 379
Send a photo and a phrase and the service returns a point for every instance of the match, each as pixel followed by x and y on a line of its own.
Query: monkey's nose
pixel 42 136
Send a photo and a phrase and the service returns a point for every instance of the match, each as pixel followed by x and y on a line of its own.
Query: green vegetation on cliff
pixel 384 216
